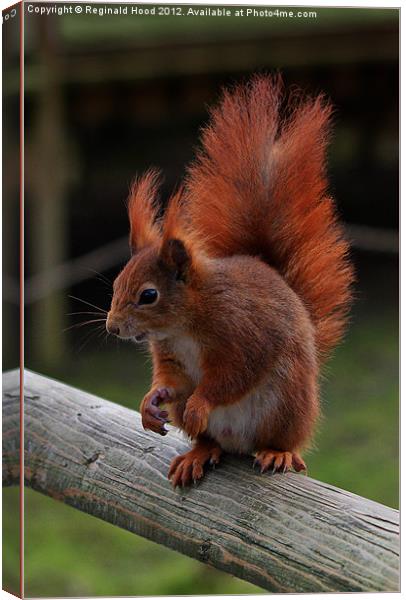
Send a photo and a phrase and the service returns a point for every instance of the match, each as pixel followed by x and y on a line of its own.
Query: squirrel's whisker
pixel 88 303
pixel 83 313
pixel 84 323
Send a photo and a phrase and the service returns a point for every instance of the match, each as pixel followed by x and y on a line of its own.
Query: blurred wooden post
pixel 49 172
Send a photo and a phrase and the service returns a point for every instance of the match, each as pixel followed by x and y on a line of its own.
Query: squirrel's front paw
pixel 196 416
pixel 153 417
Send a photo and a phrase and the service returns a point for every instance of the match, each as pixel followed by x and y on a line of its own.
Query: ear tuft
pixel 142 211
pixel 175 256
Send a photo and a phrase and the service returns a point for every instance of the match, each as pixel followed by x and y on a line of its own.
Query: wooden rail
pixel 285 533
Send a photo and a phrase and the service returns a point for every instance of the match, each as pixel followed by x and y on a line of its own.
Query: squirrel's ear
pixel 142 211
pixel 175 256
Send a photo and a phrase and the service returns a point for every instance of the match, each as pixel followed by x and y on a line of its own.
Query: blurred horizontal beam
pixel 83 66
pixel 373 239
pixel 67 274
pixel 74 271
pixel 282 532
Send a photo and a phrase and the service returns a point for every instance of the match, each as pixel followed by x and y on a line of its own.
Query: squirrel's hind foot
pixel 280 462
pixel 189 467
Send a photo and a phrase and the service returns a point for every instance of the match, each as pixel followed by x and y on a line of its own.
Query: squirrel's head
pixel 151 292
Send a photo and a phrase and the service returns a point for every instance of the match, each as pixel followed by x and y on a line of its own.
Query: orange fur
pixel 142 210
pixel 258 186
pixel 173 225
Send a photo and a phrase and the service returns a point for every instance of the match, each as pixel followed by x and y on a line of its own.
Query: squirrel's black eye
pixel 148 296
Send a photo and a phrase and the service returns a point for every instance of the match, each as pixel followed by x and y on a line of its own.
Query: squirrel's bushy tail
pixel 258 186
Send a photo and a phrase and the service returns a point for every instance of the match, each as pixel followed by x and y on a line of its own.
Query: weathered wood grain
pixel 285 533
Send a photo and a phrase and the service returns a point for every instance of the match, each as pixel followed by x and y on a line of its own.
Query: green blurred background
pixel 107 97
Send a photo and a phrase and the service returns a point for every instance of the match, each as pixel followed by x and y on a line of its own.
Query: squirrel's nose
pixel 112 327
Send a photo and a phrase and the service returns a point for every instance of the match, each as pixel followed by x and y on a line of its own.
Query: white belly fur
pixel 188 353
pixel 235 426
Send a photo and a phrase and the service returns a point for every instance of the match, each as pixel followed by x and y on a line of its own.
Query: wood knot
pixel 204 550
pixel 92 459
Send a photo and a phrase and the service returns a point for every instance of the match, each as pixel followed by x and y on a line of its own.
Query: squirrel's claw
pixel 153 417
pixel 189 467
pixel 279 462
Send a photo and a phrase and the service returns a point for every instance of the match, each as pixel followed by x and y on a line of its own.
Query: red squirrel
pixel 243 287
